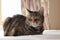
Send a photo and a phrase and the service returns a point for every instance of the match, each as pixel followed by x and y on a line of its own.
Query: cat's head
pixel 35 18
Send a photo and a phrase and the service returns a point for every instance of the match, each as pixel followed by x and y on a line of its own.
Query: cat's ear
pixel 29 11
pixel 41 11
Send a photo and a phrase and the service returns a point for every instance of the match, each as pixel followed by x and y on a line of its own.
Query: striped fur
pixel 21 25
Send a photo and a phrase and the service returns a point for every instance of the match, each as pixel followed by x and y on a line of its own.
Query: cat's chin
pixel 34 26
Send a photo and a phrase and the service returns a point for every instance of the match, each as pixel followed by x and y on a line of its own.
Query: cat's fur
pixel 21 25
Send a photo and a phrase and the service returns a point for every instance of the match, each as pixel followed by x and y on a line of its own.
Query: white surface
pixel 47 35
pixel 33 37
pixel 51 32
pixel 1 31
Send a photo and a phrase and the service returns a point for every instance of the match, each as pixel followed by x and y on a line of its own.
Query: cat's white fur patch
pixel 34 24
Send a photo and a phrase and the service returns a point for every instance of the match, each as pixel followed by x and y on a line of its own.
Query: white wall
pixel 10 7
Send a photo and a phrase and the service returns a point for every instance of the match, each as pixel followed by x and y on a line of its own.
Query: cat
pixel 31 24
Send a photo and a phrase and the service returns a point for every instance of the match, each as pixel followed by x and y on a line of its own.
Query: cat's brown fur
pixel 21 25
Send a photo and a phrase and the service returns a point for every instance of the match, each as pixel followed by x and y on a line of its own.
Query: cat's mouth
pixel 34 25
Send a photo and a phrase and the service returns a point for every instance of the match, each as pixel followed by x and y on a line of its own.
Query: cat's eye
pixel 30 19
pixel 36 20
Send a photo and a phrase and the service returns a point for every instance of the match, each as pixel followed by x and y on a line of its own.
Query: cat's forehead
pixel 35 14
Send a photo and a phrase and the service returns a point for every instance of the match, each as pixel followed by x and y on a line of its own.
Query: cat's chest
pixel 32 30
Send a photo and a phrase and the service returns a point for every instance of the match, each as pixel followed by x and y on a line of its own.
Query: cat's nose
pixel 33 21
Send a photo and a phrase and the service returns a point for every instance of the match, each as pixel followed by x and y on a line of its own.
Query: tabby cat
pixel 18 25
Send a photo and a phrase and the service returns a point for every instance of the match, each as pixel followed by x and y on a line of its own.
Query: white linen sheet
pixel 47 34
